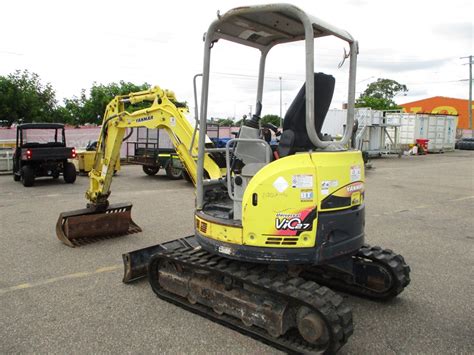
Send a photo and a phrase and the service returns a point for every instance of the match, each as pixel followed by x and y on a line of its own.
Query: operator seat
pixel 295 137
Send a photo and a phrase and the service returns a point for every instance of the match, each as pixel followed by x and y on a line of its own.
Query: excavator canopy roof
pixel 267 25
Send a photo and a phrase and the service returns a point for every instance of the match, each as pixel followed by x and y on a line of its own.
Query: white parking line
pixel 76 275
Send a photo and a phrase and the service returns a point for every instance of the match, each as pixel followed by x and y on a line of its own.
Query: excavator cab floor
pixel 84 226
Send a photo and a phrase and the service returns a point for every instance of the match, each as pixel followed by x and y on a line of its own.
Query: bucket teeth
pixel 88 225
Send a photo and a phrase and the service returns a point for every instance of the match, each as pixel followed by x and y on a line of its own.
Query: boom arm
pixel 161 114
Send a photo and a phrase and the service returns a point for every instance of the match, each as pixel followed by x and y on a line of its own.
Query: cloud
pixel 401 65
pixel 10 53
pixel 455 30
pixel 393 60
pixel 356 3
pixel 417 92
pixel 159 52
pixel 287 85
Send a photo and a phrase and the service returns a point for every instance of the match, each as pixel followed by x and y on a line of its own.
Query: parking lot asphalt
pixel 56 299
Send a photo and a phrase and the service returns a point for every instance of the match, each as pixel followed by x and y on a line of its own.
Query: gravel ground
pixel 56 299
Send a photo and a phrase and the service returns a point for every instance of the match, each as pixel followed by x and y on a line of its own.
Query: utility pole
pixel 470 93
pixel 281 118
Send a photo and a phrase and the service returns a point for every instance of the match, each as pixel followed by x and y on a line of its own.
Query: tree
pixel 379 95
pixel 23 97
pixel 225 122
pixel 91 108
pixel 273 119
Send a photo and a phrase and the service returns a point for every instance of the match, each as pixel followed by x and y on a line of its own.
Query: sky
pixel 72 44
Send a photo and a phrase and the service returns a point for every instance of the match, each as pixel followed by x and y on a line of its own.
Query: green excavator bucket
pixel 84 226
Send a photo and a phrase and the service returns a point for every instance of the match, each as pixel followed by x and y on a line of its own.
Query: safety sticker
pixel 104 171
pixel 306 195
pixel 355 173
pixel 302 181
pixel 326 184
pixel 280 184
pixel 355 198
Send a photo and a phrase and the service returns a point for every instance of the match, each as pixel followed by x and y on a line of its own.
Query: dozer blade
pixel 135 263
pixel 88 225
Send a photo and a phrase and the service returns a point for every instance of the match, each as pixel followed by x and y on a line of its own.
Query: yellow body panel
pixel 84 161
pixel 224 233
pixel 281 202
pixel 7 144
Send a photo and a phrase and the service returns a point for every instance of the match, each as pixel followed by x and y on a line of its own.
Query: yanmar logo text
pixel 353 188
pixel 146 118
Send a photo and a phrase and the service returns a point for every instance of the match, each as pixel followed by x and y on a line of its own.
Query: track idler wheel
pixel 381 272
pixel 375 273
pixel 311 326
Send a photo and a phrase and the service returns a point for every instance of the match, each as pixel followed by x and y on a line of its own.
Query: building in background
pixel 442 105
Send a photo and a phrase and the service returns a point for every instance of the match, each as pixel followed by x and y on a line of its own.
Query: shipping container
pixel 440 130
pixel 6 160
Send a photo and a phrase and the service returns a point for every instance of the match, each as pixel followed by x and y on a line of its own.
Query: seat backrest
pixel 295 137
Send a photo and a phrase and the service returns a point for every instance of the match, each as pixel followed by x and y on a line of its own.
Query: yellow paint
pixel 59 278
pixel 463 198
pixel 415 109
pixel 288 189
pixel 85 161
pixel 79 274
pixel 107 268
pixel 222 232
pixel 161 114
pixel 7 144
pixel 445 109
pixel 356 199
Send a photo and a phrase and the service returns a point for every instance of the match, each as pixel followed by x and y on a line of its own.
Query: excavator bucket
pixel 76 228
pixel 136 262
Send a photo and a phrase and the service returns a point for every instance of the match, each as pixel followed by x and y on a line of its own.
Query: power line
pixel 470 92
pixel 10 53
pixel 436 82
pixel 302 77
pixel 246 76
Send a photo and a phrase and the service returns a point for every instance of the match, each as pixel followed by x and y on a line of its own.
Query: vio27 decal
pixel 294 223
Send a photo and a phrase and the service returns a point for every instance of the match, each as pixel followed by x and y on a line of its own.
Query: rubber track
pixel 337 315
pixel 394 263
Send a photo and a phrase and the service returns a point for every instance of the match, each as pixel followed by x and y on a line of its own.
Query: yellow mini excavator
pixel 272 230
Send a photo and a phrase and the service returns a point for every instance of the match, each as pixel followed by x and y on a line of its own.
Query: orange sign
pixel 442 105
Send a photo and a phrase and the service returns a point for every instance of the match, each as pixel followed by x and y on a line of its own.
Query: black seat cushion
pixel 295 118
pixel 286 144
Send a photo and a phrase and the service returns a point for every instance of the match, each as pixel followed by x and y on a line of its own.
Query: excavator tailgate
pixel 87 225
